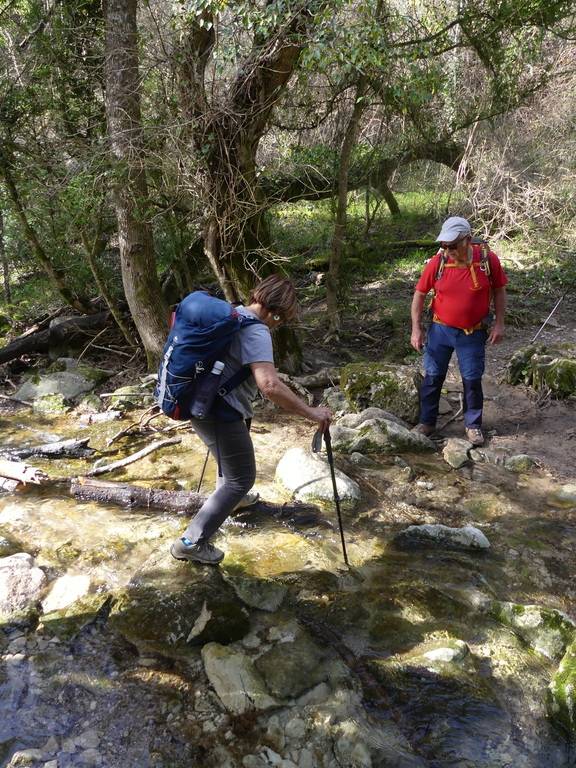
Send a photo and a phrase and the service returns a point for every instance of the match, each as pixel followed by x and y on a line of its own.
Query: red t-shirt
pixel 460 300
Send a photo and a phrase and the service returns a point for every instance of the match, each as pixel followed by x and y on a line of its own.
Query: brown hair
pixel 277 294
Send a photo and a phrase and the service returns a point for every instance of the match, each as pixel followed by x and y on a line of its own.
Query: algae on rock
pixel 390 387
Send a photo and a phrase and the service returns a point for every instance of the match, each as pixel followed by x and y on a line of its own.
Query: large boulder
pixel 391 387
pixel 171 607
pixel 376 431
pixel 307 475
pixel 21 587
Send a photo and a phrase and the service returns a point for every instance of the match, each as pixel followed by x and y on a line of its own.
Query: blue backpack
pixel 203 328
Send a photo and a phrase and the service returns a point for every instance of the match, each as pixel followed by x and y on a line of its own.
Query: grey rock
pixel 377 435
pixel 438 535
pixel 69 384
pixel 239 686
pixel 21 586
pixel 455 452
pixel 307 475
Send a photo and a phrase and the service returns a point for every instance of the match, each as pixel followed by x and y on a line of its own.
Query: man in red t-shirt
pixel 463 277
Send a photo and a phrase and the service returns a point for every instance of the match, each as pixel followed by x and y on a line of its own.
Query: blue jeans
pixel 441 342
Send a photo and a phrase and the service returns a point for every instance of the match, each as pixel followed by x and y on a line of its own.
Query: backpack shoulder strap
pixel 442 259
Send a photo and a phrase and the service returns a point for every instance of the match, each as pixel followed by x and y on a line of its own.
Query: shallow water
pixel 488 712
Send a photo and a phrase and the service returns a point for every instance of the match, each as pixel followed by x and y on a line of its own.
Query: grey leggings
pixel 230 443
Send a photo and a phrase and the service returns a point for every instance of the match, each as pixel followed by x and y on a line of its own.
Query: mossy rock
pixel 50 405
pixel 541 367
pixel 545 630
pixel 67 622
pixel 390 387
pixel 172 607
pixel 130 397
pixel 561 697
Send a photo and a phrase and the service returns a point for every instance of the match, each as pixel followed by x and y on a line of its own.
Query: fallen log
pixel 12 473
pixel 65 331
pixel 77 449
pixel 187 503
pixel 133 457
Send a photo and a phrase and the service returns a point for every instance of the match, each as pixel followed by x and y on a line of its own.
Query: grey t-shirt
pixel 252 344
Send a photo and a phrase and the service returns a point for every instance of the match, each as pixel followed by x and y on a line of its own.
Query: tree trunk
pixel 390 199
pixel 42 341
pixel 4 263
pixel 70 297
pixel 93 251
pixel 348 144
pixel 139 277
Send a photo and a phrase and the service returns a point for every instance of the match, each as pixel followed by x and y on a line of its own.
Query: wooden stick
pixel 133 457
pixel 16 400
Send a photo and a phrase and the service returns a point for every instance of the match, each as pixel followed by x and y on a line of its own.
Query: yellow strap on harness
pixel 469 266
pixel 467 331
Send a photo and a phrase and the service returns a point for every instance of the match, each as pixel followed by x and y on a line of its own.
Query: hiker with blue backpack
pixel 464 277
pixel 215 360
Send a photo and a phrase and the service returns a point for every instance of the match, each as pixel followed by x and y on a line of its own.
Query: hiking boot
pixel 474 435
pixel 424 429
pixel 250 498
pixel 202 552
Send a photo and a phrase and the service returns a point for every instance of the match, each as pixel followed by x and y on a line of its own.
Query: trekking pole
pixel 548 318
pixel 203 471
pixel 316 445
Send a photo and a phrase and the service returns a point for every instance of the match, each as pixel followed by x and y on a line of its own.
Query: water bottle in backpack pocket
pixel 205 390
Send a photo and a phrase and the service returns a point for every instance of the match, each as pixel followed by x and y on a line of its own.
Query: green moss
pixel 545 630
pixel 392 388
pixel 66 623
pixel 561 698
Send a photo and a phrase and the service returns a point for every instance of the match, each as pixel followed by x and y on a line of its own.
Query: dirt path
pixel 514 419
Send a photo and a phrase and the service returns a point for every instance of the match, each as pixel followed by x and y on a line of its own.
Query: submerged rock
pixel 546 630
pixel 264 594
pixel 293 666
pixel 439 535
pixel 307 475
pixel 21 586
pixel 170 607
pixel 391 387
pixel 239 686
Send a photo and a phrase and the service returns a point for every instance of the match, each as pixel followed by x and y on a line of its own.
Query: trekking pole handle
pixel 317 441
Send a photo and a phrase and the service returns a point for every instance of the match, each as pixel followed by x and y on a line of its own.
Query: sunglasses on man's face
pixel 453 245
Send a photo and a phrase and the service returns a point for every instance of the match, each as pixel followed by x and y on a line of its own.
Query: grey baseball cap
pixel 453 228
